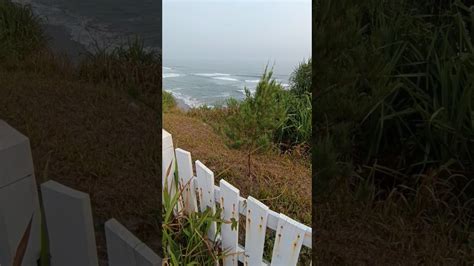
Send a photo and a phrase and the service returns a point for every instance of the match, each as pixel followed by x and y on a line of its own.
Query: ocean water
pixel 103 22
pixel 213 49
pixel 211 83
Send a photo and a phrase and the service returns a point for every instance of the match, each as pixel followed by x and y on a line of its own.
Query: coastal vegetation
pixel 89 131
pixel 394 131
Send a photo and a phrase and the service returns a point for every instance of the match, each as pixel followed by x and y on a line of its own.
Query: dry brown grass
pixel 352 234
pixel 399 230
pixel 282 182
pixel 94 139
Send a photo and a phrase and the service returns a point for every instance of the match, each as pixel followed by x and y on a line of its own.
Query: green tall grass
pixel 296 130
pixel 20 31
pixel 185 240
pixel 129 66
pixel 405 85
pixel 394 106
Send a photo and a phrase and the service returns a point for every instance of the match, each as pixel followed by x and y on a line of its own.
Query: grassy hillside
pixel 92 127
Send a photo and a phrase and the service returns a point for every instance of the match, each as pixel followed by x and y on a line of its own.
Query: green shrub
pixel 301 79
pixel 167 101
pixel 253 122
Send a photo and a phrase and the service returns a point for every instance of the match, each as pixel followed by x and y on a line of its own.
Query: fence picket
pixel 205 182
pixel 229 197
pixel 288 241
pixel 125 249
pixel 186 177
pixel 291 235
pixel 255 229
pixel 168 166
pixel 70 227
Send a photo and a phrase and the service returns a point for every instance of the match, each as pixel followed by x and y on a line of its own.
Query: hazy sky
pixel 255 30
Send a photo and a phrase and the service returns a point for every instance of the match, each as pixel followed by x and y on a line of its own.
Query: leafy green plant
pixel 185 240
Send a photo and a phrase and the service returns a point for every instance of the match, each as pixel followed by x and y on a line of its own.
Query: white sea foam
pixel 167 68
pixel 252 80
pixel 84 30
pixel 211 74
pixel 189 101
pixel 226 78
pixel 171 75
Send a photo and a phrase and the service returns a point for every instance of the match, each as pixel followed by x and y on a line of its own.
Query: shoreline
pixel 181 105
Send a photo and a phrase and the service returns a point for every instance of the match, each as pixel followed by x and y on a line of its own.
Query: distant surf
pixel 171 75
pixel 225 78
pixel 98 25
pixel 202 85
pixel 211 74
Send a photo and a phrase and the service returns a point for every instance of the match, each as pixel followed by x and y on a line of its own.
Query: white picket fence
pixel 67 214
pixel 200 188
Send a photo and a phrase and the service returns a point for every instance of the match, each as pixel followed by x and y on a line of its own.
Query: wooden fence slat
pixel 125 249
pixel 205 182
pixel 146 257
pixel 273 217
pixel 120 244
pixel 19 202
pixel 70 228
pixel 255 229
pixel 258 219
pixel 288 242
pixel 229 199
pixel 168 166
pixel 185 172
